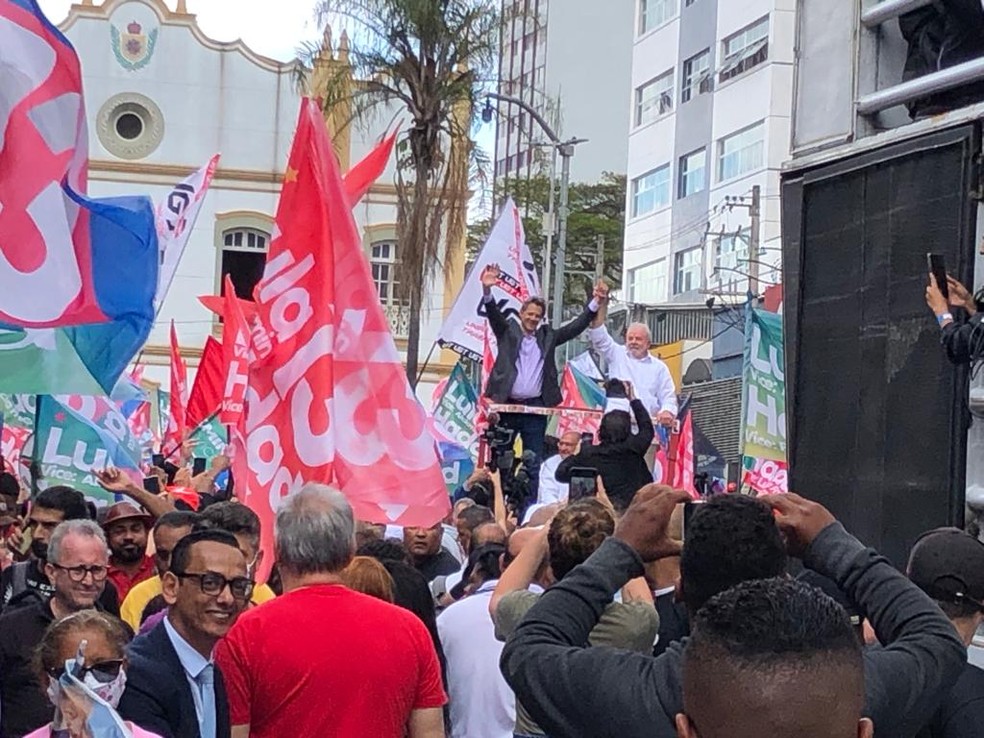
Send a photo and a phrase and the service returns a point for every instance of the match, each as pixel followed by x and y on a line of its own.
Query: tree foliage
pixel 596 209
pixel 430 58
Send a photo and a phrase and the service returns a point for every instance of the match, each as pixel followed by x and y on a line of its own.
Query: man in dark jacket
pixel 575 691
pixel 948 565
pixel 525 371
pixel 620 456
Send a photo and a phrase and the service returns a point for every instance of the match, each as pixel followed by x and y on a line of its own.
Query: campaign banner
pixel 77 435
pixel 456 410
pixel 464 328
pixel 764 388
pixel 578 392
pixel 457 464
pixel 209 437
pixel 765 476
pixel 175 219
pixel 16 427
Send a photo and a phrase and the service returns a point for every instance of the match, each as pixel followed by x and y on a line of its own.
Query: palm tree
pixel 432 59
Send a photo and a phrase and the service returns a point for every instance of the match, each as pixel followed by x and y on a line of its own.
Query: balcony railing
pixel 398 317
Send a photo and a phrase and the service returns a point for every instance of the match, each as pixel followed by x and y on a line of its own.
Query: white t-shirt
pixel 482 704
pixel 549 489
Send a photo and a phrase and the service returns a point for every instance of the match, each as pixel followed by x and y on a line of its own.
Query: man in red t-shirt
pixel 323 660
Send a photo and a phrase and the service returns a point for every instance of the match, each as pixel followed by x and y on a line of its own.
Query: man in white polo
pixel 632 362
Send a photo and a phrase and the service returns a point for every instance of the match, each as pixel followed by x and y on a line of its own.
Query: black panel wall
pixel 877 417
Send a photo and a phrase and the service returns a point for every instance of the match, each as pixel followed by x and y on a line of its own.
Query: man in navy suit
pixel 173 687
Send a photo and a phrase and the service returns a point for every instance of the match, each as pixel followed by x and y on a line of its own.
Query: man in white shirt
pixel 632 362
pixel 549 489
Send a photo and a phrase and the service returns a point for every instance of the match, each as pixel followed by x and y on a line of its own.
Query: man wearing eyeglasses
pixel 77 565
pixel 173 687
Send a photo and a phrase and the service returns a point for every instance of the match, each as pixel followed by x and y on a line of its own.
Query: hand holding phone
pixel 937 267
pixel 583 483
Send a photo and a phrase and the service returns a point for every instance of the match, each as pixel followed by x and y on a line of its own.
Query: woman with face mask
pixel 82 660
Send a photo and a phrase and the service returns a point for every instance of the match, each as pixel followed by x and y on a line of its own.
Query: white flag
pixel 176 216
pixel 464 328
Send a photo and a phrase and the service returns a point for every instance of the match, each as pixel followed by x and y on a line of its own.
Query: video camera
pixel 517 483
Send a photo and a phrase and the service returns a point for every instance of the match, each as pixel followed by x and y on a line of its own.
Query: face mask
pixel 111 692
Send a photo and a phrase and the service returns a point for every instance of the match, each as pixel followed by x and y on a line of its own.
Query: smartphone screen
pixel 152 485
pixel 158 460
pixel 689 508
pixel 198 466
pixel 937 267
pixel 583 483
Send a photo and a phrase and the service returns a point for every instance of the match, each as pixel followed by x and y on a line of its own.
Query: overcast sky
pixel 274 28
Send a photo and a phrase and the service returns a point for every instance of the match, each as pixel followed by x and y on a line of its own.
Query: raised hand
pixel 601 291
pixel 113 480
pixel 799 519
pixel 960 296
pixel 490 276
pixel 645 524
pixel 934 298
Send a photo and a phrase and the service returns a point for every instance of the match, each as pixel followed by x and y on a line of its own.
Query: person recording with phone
pixel 962 333
pixel 620 456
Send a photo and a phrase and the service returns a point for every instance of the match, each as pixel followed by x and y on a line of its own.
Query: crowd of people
pixel 605 615
pixel 592 619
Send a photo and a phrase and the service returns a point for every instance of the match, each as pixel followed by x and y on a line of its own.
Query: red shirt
pixel 328 662
pixel 124 582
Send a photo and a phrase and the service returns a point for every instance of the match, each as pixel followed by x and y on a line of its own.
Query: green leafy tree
pixel 596 209
pixel 431 59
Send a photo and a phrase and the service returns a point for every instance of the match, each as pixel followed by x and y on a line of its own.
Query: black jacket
pixel 25 706
pixel 575 691
pixel 158 697
pixel 963 340
pixel 622 466
pixel 962 713
pixel 509 336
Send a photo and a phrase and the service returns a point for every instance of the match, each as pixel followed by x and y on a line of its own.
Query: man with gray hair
pixel 77 564
pixel 322 659
pixel 650 378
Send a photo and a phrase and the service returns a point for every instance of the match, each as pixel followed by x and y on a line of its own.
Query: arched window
pixel 244 253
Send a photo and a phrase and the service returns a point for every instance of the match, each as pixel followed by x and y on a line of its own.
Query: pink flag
pixel 328 399
pixel 177 424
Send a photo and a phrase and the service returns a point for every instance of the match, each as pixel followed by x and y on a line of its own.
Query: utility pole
pixel 754 238
pixel 566 151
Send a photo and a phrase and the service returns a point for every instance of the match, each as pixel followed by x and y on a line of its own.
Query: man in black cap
pixel 948 565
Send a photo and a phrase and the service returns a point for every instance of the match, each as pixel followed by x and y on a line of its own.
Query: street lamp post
pixel 566 151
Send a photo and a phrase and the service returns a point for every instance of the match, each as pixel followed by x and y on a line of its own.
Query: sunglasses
pixel 103 672
pixel 214 584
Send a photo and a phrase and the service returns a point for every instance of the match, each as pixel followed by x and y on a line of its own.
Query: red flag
pixel 328 400
pixel 206 392
pixel 360 177
pixel 235 358
pixel 177 425
pixel 682 466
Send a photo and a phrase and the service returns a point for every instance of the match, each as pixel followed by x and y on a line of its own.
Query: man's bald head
pixel 789 657
pixel 638 339
pixel 567 444
pixel 488 533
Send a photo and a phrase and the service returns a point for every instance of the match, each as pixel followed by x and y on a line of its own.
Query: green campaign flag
pixel 456 409
pixel 764 387
pixel 210 437
pixel 17 411
pixel 79 435
pixel 43 362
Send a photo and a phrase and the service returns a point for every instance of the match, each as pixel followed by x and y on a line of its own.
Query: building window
pixel 696 76
pixel 654 99
pixel 686 270
pixel 647 284
pixel 244 253
pixel 746 49
pixel 384 265
pixel 651 191
pixel 730 251
pixel 654 13
pixel 692 173
pixel 690 2
pixel 741 152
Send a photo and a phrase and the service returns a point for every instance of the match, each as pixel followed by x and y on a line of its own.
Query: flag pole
pixel 35 469
pixel 423 368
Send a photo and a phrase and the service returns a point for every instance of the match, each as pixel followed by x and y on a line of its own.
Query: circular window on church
pixel 130 126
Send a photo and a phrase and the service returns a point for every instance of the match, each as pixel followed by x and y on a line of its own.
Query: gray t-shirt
pixel 629 625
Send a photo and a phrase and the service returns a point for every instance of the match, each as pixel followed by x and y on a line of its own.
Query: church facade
pixel 162 98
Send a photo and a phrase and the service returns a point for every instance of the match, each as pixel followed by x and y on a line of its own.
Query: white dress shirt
pixel 193 664
pixel 650 378
pixel 482 704
pixel 549 489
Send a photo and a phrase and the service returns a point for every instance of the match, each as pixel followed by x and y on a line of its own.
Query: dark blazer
pixel 622 466
pixel 509 335
pixel 158 697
